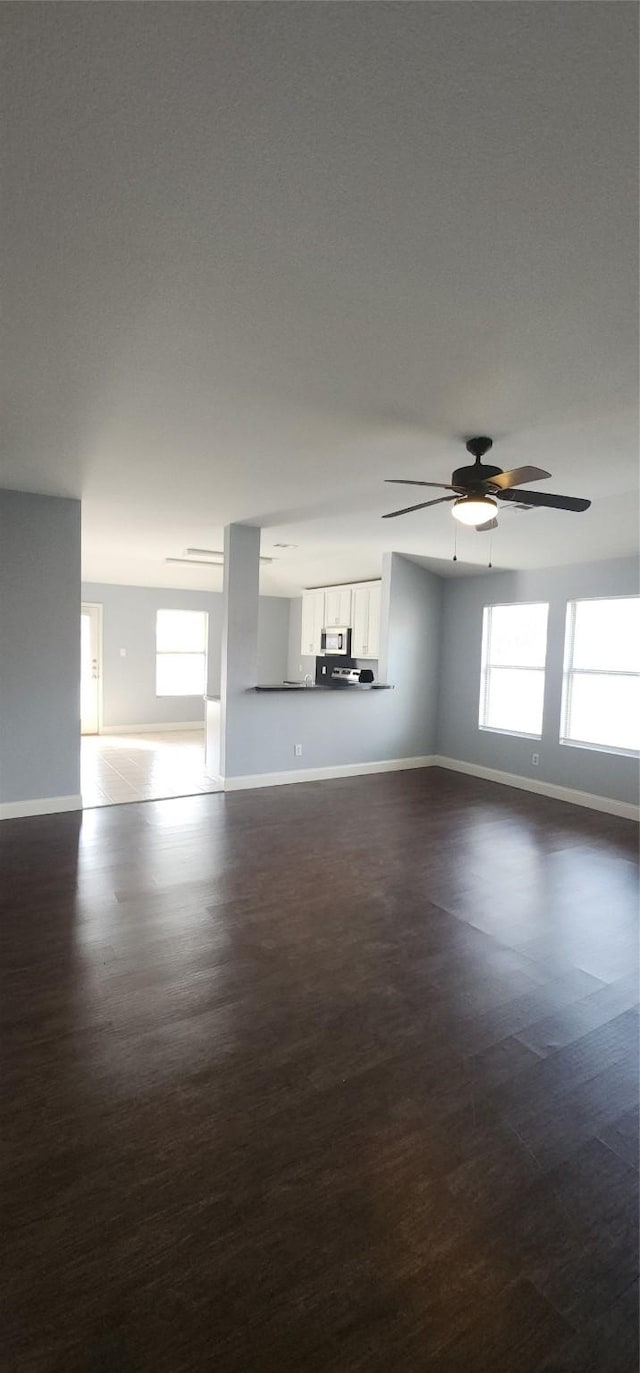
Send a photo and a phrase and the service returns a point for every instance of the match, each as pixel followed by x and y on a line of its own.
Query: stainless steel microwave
pixel 336 642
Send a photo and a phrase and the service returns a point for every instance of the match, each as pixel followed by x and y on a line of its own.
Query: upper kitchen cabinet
pixel 354 607
pixel 312 622
pixel 365 640
pixel 337 607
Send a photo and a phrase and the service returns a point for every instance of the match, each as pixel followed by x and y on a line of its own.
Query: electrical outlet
pixel 535 759
pixel 297 748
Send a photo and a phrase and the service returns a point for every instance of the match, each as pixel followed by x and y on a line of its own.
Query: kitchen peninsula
pixel 323 686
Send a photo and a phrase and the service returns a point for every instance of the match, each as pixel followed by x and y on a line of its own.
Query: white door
pixel 312 622
pixel 331 608
pixel 337 607
pixel 373 633
pixel 90 668
pixel 366 621
pixel 318 621
pixel 360 622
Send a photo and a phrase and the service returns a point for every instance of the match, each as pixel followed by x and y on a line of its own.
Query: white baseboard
pixel 279 779
pixel 54 805
pixel 45 805
pixel 174 726
pixel 626 809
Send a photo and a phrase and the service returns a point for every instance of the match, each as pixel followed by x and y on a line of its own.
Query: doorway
pixel 90 668
pixel 138 762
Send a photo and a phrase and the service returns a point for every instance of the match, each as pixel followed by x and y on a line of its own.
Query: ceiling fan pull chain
pixel 455 545
pixel 490 548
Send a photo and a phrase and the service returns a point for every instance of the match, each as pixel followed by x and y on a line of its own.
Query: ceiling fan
pixel 478 488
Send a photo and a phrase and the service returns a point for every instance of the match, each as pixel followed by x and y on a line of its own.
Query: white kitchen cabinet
pixel 356 607
pixel 337 606
pixel 360 621
pixel 312 622
pixel 365 640
pixel 373 639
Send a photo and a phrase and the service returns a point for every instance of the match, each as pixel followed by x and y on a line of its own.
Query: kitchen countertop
pixel 301 687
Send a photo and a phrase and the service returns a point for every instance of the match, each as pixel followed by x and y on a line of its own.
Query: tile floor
pixel 143 767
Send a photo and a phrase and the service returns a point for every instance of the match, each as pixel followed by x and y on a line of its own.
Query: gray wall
pixel 602 774
pixel 435 671
pixel 39 647
pixel 129 622
pixel 336 728
pixel 273 638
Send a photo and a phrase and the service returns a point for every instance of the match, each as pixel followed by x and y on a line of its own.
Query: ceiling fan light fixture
pixel 474 510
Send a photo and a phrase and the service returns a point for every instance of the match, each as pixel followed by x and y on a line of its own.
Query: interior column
pixel 238 668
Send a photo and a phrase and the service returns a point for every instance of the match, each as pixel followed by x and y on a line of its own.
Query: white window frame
pixel 569 672
pixel 181 653
pixel 485 669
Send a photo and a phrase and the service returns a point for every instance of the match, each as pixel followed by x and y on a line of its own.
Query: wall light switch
pixel 297 748
pixel 123 652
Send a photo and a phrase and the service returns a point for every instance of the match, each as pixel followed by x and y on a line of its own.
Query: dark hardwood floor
pixel 328 1077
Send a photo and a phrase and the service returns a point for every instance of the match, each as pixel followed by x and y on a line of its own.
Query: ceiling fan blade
pixel 406 481
pixel 517 476
pixel 490 524
pixel 409 508
pixel 544 498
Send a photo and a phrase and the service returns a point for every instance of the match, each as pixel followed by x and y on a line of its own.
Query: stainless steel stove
pixel 346 674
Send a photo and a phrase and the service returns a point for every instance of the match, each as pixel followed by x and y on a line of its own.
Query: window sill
pixel 601 748
pixel 510 733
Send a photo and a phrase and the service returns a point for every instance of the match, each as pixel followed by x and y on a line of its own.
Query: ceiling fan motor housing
pixel 474 476
pixel 480 471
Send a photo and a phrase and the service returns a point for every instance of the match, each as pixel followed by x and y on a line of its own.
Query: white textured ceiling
pixel 260 256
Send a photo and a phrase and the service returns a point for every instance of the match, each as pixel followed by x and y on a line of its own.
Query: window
pixel 514 649
pixel 601 698
pixel 181 652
